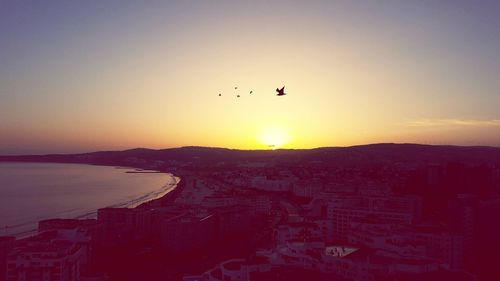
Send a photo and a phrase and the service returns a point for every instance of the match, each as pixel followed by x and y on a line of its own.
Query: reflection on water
pixel 30 192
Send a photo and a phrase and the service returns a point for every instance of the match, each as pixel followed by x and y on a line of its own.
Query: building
pixel 262 204
pixel 366 264
pixel 297 231
pixel 410 242
pixel 274 184
pixel 217 201
pixel 125 224
pixel 463 220
pixel 396 210
pixel 232 221
pixel 326 227
pixel 307 188
pixel 93 227
pixel 55 255
pixel 6 246
pixel 234 270
pixel 187 233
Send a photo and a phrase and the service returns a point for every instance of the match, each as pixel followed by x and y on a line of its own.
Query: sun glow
pixel 273 137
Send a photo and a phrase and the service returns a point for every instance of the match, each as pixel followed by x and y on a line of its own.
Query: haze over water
pixel 35 191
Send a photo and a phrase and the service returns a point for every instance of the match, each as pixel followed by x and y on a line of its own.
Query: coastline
pixel 167 198
pixel 155 198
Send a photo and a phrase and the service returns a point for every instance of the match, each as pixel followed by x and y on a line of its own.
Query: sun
pixel 273 137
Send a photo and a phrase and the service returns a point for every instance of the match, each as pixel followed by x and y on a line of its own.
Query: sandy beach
pixel 32 192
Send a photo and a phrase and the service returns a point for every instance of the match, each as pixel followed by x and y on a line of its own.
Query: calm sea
pixel 30 192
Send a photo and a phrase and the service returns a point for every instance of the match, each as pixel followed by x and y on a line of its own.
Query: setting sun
pixel 273 137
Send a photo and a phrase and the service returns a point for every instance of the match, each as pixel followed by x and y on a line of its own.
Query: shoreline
pixel 151 199
pixel 166 198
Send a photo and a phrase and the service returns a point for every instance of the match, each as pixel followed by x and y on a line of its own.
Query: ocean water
pixel 30 192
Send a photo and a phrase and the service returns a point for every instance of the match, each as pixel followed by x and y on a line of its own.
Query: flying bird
pixel 220 95
pixel 235 88
pixel 251 92
pixel 238 96
pixel 281 92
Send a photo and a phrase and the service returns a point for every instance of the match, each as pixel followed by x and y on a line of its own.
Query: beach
pixel 37 191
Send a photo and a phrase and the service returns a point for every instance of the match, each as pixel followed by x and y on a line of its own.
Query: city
pixel 232 140
pixel 269 217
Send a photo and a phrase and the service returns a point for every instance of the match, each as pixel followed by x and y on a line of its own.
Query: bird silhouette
pixel 238 96
pixel 281 92
pixel 235 88
pixel 220 95
pixel 251 92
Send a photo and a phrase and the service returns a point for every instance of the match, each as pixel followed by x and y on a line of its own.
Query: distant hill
pixel 353 155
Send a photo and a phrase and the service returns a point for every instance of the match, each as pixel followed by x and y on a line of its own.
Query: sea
pixel 30 192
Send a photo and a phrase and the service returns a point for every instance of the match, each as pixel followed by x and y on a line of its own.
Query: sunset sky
pixel 79 76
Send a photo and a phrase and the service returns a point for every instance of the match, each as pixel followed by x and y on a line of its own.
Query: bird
pixel 238 96
pixel 235 88
pixel 251 92
pixel 281 92
pixel 220 95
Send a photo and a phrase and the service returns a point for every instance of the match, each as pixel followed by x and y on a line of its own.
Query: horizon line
pixel 240 149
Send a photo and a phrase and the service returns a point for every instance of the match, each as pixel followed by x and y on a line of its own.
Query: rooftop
pixel 339 251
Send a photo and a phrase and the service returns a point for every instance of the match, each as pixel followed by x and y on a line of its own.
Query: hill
pixel 353 155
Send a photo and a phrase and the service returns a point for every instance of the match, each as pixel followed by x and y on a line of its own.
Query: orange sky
pixel 83 77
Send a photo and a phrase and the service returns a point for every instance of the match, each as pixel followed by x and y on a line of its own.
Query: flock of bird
pixel 280 92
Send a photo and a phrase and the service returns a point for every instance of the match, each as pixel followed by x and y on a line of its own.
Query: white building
pixel 56 255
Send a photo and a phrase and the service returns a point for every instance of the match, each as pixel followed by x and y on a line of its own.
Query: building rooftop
pixel 340 251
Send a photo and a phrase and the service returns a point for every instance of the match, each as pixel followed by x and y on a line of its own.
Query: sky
pixel 79 76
